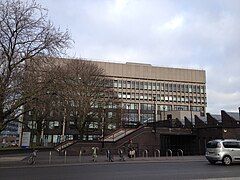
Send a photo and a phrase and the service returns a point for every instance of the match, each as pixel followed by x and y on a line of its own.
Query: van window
pixel 231 144
pixel 212 144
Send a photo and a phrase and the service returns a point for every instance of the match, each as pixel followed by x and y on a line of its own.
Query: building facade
pixel 149 92
pixel 146 93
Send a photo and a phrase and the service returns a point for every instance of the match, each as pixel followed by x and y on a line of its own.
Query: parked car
pixel 227 151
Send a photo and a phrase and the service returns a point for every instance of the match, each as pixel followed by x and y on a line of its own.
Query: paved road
pixel 124 171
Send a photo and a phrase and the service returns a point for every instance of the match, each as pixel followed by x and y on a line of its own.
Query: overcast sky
pixel 202 34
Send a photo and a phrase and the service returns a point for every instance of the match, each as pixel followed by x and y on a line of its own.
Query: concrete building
pixel 147 93
pixel 150 92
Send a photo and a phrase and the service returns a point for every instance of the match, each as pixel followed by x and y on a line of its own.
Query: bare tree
pixel 86 93
pixel 25 35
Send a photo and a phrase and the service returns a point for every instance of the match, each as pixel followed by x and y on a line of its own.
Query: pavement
pixel 53 159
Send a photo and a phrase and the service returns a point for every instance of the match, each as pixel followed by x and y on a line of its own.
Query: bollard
pixel 179 150
pixel 80 156
pixel 145 152
pixel 169 150
pixel 65 157
pixel 157 153
pixel 50 157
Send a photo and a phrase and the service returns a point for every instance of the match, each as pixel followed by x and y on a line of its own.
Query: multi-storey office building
pixel 147 91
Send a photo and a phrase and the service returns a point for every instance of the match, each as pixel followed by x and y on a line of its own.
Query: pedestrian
pixel 131 150
pixel 109 156
pixel 94 155
pixel 120 153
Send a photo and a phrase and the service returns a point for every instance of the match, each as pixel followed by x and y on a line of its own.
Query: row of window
pixel 158 86
pixel 163 98
pixel 161 107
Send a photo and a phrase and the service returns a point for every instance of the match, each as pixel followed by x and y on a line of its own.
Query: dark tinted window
pixel 231 144
pixel 212 144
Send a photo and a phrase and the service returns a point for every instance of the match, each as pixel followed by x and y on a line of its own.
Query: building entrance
pixel 175 143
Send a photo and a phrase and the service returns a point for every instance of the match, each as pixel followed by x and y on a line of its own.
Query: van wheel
pixel 227 160
pixel 212 162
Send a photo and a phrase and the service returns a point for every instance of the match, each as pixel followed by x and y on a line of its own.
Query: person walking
pixel 109 156
pixel 94 154
pixel 120 153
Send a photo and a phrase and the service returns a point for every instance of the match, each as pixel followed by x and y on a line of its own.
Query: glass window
pixel 158 86
pixel 124 84
pixel 186 88
pixel 174 98
pixel 141 85
pixel 198 89
pixel 182 99
pixel 202 89
pixel 149 86
pixel 128 96
pixel 115 83
pixel 162 87
pixel 128 84
pixel 137 96
pixel 178 99
pixel 119 84
pixel 112 126
pixel 170 87
pixel 120 95
pixel 166 87
pixel 182 87
pixel 170 98
pixel 154 86
pixel 162 97
pixel 137 85
pixel 133 84
pixel 145 86
pixel 178 87
pixel 166 98
pixel 133 96
pixel 158 97
pixel 190 88
pixel 194 88
pixel 49 138
pixel 150 97
pixel 174 88
pixel 145 96
pixel 141 96
pixel 110 114
pixel 32 124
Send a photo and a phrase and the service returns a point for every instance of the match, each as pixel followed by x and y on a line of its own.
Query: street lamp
pixel 155 115
pixel 103 126
pixel 190 106
pixel 164 112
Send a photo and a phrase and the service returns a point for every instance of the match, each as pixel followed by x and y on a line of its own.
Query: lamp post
pixel 190 106
pixel 64 125
pixel 239 113
pixel 103 126
pixel 155 115
pixel 164 112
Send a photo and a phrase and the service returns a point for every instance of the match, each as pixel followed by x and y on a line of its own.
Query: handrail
pixel 157 151
pixel 145 152
pixel 64 144
pixel 169 150
pixel 179 150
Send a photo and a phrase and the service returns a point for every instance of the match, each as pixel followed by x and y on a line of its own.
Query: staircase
pixel 120 133
pixel 64 145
